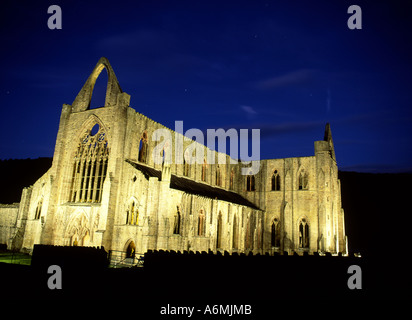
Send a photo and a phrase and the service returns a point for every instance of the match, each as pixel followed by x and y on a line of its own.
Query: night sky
pixel 284 67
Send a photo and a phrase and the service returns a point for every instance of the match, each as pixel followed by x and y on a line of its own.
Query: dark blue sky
pixel 286 67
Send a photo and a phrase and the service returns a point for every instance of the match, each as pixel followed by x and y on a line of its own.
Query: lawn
pixel 15 257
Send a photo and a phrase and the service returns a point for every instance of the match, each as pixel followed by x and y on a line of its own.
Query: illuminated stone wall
pixel 8 217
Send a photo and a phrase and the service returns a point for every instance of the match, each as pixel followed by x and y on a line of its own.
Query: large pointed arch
pixel 90 161
pixel 113 90
pixel 89 123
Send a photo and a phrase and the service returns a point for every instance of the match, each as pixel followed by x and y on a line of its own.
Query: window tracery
pixel 275 181
pixel 90 166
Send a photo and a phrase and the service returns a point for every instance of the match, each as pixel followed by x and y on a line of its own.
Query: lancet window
pixel 275 181
pixel 303 234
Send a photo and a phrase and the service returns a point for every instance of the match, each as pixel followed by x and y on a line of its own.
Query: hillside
pixel 19 173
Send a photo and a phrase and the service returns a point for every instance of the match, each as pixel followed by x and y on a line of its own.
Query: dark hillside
pixel 377 224
pixel 375 210
pixel 15 174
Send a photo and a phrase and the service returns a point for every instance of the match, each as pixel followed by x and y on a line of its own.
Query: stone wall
pixel 49 215
pixel 8 218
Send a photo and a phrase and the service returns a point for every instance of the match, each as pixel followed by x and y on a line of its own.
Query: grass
pixel 15 257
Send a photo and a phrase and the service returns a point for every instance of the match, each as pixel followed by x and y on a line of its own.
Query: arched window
pixel 204 170
pixel 275 239
pixel 218 176
pixel 143 146
pixel 90 166
pixel 235 234
pixel 303 234
pixel 275 181
pixel 250 183
pixel 132 216
pixel 98 98
pixel 78 231
pixel 201 225
pixel 113 90
pixel 38 210
pixel 186 168
pixel 176 225
pixel 136 216
pixel 303 180
pixel 219 231
pixel 131 250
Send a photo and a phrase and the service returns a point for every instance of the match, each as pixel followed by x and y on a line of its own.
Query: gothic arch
pixel 90 161
pixel 130 248
pixel 250 183
pixel 78 230
pixel 304 218
pixel 201 223
pixel 82 101
pixel 204 171
pixel 89 123
pixel 303 232
pixel 39 208
pixel 143 147
pixel 275 181
pixel 303 179
pixel 132 211
pixel 275 228
pixel 132 198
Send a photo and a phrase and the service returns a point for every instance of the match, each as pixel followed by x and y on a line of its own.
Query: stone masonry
pixel 104 189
